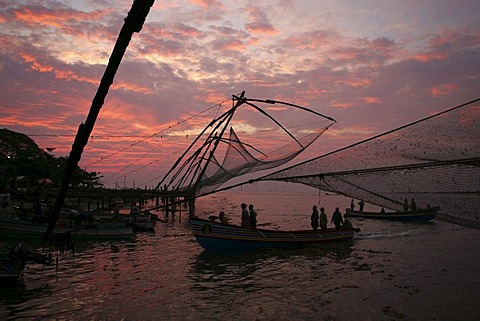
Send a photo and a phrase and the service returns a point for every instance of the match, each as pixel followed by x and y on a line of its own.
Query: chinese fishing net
pixel 224 149
pixel 434 160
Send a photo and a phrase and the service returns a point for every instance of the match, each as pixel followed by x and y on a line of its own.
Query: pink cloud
pixel 55 17
pixel 445 44
pixel 342 105
pixel 311 40
pixel 208 4
pixel 259 22
pixel 259 27
pixel 451 40
pixel 354 82
pixel 371 100
pixel 443 90
pixel 362 51
pixel 35 65
pixel 232 44
pixel 429 56
pixel 173 31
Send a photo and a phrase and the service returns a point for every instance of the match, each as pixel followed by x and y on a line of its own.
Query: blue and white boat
pixel 212 235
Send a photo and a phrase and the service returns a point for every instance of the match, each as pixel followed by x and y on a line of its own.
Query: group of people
pixel 413 205
pixel 361 205
pixel 249 217
pixel 337 219
pixel 316 217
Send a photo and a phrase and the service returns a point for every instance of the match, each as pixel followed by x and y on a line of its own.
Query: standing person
pixel 405 205
pixel 323 218
pixel 361 204
pixel 337 218
pixel 352 205
pixel 314 217
pixel 413 205
pixel 253 216
pixel 245 216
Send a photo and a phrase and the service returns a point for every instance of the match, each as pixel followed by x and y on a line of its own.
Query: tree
pixel 21 156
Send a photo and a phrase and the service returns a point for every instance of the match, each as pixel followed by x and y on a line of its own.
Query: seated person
pixel 221 217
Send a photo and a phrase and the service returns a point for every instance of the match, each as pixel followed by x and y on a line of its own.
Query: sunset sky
pixel 371 65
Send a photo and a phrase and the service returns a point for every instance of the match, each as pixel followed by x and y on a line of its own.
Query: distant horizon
pixel 372 66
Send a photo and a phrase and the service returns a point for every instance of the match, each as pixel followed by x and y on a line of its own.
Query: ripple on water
pixel 388 271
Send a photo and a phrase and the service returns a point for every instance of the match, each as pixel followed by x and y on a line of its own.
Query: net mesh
pixel 215 157
pixel 239 161
pixel 434 160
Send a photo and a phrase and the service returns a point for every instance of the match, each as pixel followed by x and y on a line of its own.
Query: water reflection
pixel 254 282
pixel 221 262
pixel 17 294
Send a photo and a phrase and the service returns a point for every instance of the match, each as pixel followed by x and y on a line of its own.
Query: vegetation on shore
pixel 23 164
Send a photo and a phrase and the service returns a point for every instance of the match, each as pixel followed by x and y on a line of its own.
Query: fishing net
pixel 239 161
pixel 434 161
pixel 216 157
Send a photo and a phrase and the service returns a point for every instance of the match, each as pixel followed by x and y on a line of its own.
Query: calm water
pixel 390 271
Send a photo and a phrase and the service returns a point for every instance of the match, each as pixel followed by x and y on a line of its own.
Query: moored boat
pixel 11 270
pixel 139 221
pixel 213 235
pixel 18 229
pixel 419 215
pixel 12 263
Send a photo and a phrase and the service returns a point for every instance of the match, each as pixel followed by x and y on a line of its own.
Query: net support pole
pixel 133 23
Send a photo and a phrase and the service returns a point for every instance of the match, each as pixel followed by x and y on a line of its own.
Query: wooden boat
pixel 213 235
pixel 18 229
pixel 145 221
pixel 419 215
pixel 13 262
pixel 11 270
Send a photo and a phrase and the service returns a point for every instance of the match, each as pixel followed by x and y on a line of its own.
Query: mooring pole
pixel 133 23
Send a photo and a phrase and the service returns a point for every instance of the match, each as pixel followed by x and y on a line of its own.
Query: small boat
pixel 18 229
pixel 11 269
pixel 139 221
pixel 419 215
pixel 13 262
pixel 213 235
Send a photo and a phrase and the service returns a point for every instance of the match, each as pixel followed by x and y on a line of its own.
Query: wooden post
pixel 133 23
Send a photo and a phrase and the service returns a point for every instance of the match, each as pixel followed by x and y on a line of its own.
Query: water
pixel 389 271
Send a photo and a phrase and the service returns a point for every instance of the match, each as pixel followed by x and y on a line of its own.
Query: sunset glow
pixel 372 66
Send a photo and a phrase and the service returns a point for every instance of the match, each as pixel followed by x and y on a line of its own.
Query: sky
pixel 371 65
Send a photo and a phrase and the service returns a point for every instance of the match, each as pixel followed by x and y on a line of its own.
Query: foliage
pixel 21 156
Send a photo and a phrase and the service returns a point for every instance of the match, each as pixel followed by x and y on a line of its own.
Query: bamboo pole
pixel 133 23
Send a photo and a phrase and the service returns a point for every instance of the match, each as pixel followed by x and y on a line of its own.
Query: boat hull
pixel 21 230
pixel 215 236
pixel 421 215
pixel 11 271
pixel 139 223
